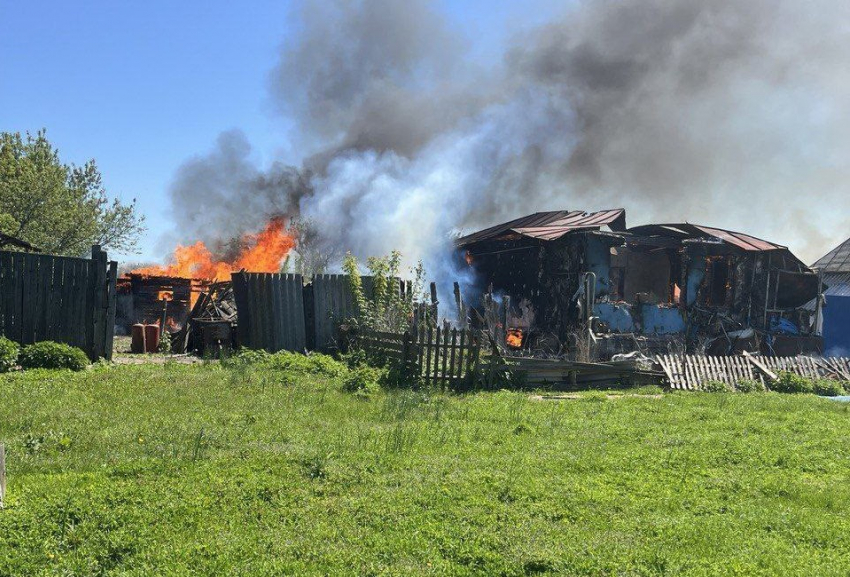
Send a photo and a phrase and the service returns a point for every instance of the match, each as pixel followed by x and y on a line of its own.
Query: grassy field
pixel 208 470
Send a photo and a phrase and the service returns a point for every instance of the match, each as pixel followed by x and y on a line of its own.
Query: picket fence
pixel 438 356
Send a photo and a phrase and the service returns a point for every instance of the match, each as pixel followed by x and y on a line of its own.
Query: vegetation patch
pixel 270 467
pixel 50 355
pixel 9 351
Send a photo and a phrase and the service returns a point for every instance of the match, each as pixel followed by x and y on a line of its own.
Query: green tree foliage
pixel 59 208
pixel 386 308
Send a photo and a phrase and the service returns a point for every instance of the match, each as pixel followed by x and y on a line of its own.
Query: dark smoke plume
pixel 728 113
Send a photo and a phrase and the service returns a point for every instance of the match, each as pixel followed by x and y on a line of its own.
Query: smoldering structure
pixel 571 277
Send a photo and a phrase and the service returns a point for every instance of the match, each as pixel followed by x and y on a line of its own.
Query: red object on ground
pixel 144 339
pixel 151 338
pixel 137 343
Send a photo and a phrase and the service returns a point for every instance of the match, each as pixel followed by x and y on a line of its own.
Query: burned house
pixel 573 276
pixel 147 299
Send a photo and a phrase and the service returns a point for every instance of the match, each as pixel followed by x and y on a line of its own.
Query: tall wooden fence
pixel 64 299
pixel 332 303
pixel 436 357
pixel 271 311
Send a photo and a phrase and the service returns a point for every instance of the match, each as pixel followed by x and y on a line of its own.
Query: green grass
pixel 209 470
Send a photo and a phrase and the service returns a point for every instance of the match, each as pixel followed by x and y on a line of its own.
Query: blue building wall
pixel 598 260
pixel 836 326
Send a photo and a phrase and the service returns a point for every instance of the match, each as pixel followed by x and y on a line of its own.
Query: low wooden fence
pixel 56 298
pixel 435 357
pixel 691 372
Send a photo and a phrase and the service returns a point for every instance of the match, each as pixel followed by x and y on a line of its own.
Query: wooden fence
pixel 271 311
pixel 690 372
pixel 332 302
pixel 64 299
pixel 434 357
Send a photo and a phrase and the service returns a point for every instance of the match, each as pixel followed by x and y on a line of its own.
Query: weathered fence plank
pixel 64 299
pixel 691 372
pixel 271 311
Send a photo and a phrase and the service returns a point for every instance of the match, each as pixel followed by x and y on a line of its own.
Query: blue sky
pixel 142 86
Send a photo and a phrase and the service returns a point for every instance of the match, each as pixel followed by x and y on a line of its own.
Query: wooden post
pixel 96 324
pixel 461 309
pixel 434 303
pixel 2 474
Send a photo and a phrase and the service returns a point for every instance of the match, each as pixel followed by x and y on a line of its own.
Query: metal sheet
pixel 837 260
pixel 550 225
pixel 687 230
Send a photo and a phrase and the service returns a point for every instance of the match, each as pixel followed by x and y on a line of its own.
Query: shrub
pixel 749 386
pixel 9 351
pixel 50 355
pixel 791 383
pixel 828 388
pixel 312 364
pixel 716 387
pixel 363 380
pixel 245 356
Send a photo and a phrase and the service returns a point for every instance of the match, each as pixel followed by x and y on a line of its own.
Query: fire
pixel 513 338
pixel 264 253
pixel 165 296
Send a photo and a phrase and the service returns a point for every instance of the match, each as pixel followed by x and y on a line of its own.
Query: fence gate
pixel 57 298
pixel 271 311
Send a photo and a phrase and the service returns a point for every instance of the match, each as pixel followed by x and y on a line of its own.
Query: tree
pixel 311 256
pixel 59 208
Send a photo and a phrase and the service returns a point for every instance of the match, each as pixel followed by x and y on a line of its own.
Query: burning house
pixel 573 277
pixel 147 299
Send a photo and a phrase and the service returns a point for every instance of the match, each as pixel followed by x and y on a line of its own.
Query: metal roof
pixel 838 284
pixel 687 230
pixel 836 260
pixel 551 225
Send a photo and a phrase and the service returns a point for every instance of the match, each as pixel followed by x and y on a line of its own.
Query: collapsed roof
pixel 550 225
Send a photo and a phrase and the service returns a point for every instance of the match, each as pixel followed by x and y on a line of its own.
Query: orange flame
pixel 513 338
pixel 165 296
pixel 264 253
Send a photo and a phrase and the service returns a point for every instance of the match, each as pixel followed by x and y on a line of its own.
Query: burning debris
pixel 176 295
pixel 585 281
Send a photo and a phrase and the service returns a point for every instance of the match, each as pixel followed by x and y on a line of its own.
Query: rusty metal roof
pixel 687 230
pixel 550 225
pixel 836 260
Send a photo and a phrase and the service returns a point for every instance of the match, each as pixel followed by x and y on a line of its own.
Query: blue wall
pixel 836 326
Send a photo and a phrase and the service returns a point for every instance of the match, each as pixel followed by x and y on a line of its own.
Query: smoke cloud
pixel 726 113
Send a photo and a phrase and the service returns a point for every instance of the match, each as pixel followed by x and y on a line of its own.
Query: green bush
pixel 50 355
pixel 9 351
pixel 828 388
pixel 749 386
pixel 363 380
pixel 295 363
pixel 245 356
pixel 791 383
pixel 312 364
pixel 716 387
